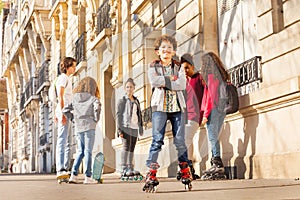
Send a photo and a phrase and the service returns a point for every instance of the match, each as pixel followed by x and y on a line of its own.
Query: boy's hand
pixel 204 120
pixel 173 77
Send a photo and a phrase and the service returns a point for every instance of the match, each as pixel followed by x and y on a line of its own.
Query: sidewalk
pixel 45 187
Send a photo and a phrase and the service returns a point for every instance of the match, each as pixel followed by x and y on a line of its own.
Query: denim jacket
pixel 160 83
pixel 124 115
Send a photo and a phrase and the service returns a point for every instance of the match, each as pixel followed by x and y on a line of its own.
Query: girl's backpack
pixel 228 98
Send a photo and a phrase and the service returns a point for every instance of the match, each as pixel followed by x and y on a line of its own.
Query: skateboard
pixel 64 179
pixel 98 167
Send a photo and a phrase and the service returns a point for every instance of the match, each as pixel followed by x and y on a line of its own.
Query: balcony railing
pixel 30 88
pixel 25 151
pixel 22 101
pixel 246 72
pixel 30 91
pixel 43 139
pixel 43 79
pixel 103 18
pixel 80 48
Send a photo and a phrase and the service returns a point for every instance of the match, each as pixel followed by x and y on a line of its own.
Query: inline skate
pixel 216 172
pixel 151 181
pixel 129 174
pixel 185 175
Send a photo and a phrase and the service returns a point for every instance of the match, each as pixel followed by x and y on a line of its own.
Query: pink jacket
pixel 210 95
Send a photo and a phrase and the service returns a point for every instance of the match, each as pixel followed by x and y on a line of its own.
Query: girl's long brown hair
pixel 211 62
pixel 88 85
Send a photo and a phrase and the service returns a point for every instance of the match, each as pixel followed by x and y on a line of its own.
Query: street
pixel 45 187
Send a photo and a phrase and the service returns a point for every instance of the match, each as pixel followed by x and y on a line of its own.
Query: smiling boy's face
pixel 165 51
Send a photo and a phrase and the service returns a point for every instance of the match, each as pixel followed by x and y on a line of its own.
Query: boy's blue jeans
pixel 159 122
pixel 85 144
pixel 62 147
pixel 214 125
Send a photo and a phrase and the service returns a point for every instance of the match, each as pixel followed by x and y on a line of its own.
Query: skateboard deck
pixel 98 167
pixel 64 179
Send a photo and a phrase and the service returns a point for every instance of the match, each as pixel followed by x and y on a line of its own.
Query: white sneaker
pixel 89 180
pixel 73 179
pixel 62 175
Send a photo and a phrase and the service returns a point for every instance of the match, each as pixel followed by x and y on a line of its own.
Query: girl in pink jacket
pixel 214 74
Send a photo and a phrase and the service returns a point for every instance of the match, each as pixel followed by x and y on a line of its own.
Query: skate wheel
pixel 153 189
pixel 141 178
pixel 190 187
pixel 100 181
pixel 205 177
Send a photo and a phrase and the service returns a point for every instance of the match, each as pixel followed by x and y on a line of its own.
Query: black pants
pixel 129 142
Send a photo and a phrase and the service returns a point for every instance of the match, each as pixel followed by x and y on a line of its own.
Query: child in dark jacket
pixel 86 109
pixel 129 123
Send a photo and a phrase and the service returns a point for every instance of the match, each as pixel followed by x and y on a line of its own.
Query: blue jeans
pixel 62 147
pixel 159 122
pixel 85 144
pixel 214 125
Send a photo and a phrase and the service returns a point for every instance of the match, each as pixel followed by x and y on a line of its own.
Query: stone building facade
pixel 113 40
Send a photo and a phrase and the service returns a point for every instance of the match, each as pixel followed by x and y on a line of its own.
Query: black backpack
pixel 228 98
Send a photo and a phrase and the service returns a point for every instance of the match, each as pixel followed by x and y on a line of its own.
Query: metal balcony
pixel 29 93
pixel 43 78
pixel 80 54
pixel 247 75
pixel 30 88
pixel 246 72
pixel 103 18
pixel 43 139
pixel 22 102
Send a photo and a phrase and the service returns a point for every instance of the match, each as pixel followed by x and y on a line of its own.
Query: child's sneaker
pixel 89 180
pixel 73 179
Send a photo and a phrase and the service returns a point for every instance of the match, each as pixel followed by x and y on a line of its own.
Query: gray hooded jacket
pixel 86 111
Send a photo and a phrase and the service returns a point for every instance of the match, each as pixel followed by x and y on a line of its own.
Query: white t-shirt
pixel 63 81
pixel 134 118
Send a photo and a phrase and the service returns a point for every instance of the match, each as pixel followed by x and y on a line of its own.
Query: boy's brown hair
pixel 66 63
pixel 169 38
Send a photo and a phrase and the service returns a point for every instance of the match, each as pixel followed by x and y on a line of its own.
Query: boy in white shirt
pixel 64 93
